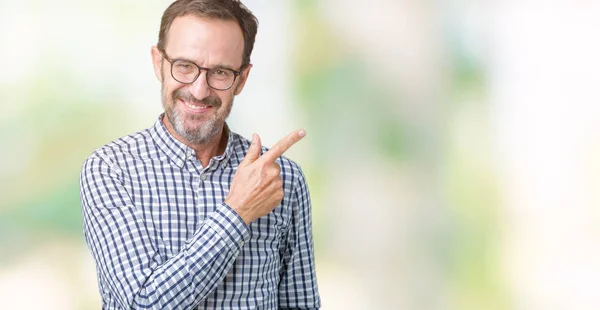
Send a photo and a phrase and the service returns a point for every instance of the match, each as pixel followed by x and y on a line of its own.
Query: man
pixel 187 214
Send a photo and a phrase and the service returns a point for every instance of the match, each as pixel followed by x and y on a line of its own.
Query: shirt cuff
pixel 229 225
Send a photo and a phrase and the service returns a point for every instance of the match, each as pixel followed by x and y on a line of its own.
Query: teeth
pixel 194 107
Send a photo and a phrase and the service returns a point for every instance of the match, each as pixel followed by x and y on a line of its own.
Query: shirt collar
pixel 226 157
pixel 177 151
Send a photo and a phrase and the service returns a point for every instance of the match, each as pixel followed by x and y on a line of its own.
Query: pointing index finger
pixel 283 145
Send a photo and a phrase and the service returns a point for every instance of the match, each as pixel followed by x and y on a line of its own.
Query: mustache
pixel 187 96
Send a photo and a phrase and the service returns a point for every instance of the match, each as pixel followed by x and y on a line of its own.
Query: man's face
pixel 195 112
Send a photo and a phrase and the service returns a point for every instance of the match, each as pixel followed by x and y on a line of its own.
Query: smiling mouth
pixel 195 107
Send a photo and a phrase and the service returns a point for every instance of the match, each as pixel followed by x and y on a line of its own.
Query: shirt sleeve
pixel 129 266
pixel 298 286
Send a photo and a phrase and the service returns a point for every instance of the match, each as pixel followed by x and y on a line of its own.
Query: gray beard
pixel 208 130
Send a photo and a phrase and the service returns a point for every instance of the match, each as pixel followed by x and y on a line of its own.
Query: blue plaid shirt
pixel 162 237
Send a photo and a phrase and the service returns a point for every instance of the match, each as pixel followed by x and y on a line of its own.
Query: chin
pixel 199 133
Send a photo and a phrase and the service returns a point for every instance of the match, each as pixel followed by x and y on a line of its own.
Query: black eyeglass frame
pixel 200 69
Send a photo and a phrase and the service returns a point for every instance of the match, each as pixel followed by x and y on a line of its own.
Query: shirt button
pixel 203 177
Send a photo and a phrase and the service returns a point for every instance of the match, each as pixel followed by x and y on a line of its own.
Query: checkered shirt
pixel 162 237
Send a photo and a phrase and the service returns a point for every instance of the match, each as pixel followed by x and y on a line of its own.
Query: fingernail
pixel 254 138
pixel 302 133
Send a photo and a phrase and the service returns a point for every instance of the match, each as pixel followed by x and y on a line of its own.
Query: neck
pixel 204 151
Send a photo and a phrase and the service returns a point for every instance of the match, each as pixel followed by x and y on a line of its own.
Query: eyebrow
pixel 218 66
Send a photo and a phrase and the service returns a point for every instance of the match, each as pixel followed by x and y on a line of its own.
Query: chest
pixel 175 202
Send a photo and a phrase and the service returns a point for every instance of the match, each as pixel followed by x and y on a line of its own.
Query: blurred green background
pixel 452 152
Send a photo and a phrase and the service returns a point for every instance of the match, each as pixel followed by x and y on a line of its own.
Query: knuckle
pixel 266 172
pixel 275 172
pixel 265 166
pixel 279 184
pixel 271 171
pixel 279 195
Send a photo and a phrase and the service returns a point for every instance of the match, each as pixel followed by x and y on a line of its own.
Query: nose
pixel 200 88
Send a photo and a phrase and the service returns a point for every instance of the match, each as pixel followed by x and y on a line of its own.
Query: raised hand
pixel 257 187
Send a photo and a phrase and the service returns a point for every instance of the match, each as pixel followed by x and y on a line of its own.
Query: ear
pixel 242 79
pixel 157 59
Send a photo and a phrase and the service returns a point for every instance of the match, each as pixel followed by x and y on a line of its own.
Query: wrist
pixel 237 208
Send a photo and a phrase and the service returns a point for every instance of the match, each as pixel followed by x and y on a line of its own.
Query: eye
pixel 220 72
pixel 183 66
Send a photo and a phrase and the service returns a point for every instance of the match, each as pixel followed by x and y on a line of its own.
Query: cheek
pixel 169 89
pixel 226 98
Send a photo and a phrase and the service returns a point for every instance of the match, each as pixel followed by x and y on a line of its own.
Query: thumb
pixel 253 152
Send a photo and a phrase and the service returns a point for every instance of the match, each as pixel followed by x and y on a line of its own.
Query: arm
pixel 128 264
pixel 298 287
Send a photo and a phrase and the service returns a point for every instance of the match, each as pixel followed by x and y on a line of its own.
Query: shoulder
pixel 127 149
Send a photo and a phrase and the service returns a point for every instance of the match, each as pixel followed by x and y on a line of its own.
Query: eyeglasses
pixel 187 72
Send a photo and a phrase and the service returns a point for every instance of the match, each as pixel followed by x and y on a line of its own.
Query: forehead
pixel 207 41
